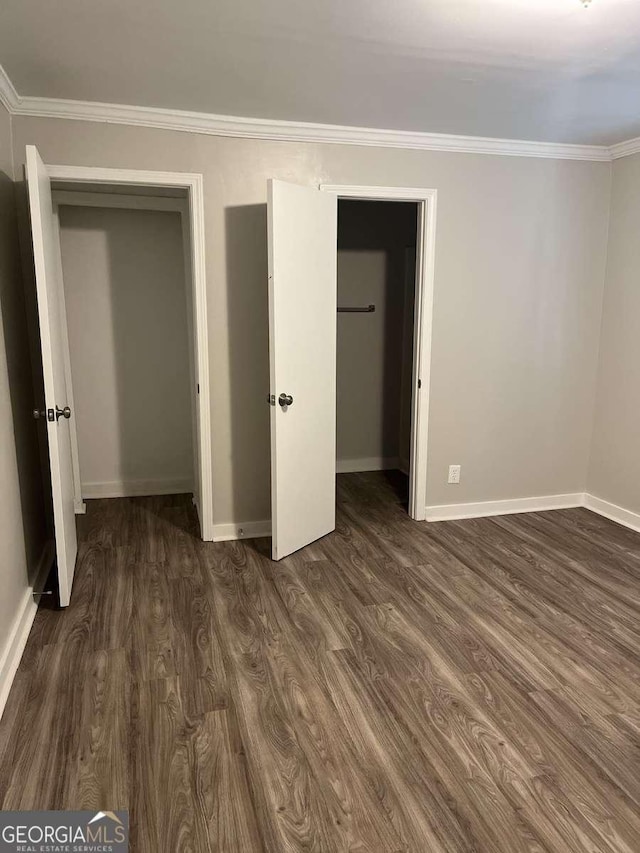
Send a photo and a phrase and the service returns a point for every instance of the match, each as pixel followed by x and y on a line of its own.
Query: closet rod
pixel 366 309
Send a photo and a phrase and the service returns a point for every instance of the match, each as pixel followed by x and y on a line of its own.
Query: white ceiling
pixel 545 70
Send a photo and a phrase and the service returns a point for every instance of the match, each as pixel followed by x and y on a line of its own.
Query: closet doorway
pixel 376 278
pixel 125 265
pixel 120 281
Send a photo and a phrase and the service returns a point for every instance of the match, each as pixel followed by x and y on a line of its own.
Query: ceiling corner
pixel 625 149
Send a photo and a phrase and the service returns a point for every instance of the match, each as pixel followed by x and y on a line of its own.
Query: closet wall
pixel 376 251
pixel 126 304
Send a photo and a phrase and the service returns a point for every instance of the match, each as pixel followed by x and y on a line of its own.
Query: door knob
pixel 285 400
pixel 50 414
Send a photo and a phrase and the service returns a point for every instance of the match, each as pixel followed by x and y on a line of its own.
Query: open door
pixel 52 324
pixel 302 347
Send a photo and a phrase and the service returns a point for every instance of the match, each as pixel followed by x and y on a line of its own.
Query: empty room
pixel 319 418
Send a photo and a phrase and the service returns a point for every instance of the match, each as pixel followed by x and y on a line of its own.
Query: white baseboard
pixel 370 463
pixel 26 612
pixel 613 512
pixel 136 488
pixel 452 512
pixel 481 509
pixel 242 530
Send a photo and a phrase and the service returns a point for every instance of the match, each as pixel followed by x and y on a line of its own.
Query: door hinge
pixel 198 388
pixel 419 383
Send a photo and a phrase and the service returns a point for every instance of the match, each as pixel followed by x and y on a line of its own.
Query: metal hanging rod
pixel 365 309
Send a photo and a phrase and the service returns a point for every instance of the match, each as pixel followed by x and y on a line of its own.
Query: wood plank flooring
pixel 460 686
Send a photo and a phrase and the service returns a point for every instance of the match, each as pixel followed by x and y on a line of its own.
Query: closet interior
pixel 125 261
pixel 376 297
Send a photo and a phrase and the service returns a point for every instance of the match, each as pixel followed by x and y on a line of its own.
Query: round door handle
pixel 285 400
pixel 63 413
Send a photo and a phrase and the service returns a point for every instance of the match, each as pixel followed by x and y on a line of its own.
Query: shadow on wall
pixel 21 339
pixel 248 353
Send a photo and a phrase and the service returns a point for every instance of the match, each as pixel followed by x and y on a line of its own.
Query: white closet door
pixel 302 343
pixel 52 325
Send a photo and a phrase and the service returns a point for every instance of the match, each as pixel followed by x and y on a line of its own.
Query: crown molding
pixel 9 98
pixel 290 131
pixel 625 149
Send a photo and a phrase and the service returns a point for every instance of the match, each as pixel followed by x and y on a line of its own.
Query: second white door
pixel 302 355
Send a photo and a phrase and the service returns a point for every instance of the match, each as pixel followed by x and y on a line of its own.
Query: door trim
pixel 427 200
pixel 194 185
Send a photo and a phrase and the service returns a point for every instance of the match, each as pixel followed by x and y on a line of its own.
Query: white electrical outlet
pixel 454 473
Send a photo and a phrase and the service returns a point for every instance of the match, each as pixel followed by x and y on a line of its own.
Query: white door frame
pixel 193 184
pixel 423 323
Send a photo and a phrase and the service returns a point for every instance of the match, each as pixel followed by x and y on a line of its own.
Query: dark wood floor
pixel 461 686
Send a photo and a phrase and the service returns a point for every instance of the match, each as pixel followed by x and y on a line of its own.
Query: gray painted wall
pixel 22 523
pixel 520 263
pixel 614 473
pixel 126 302
pixel 372 239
